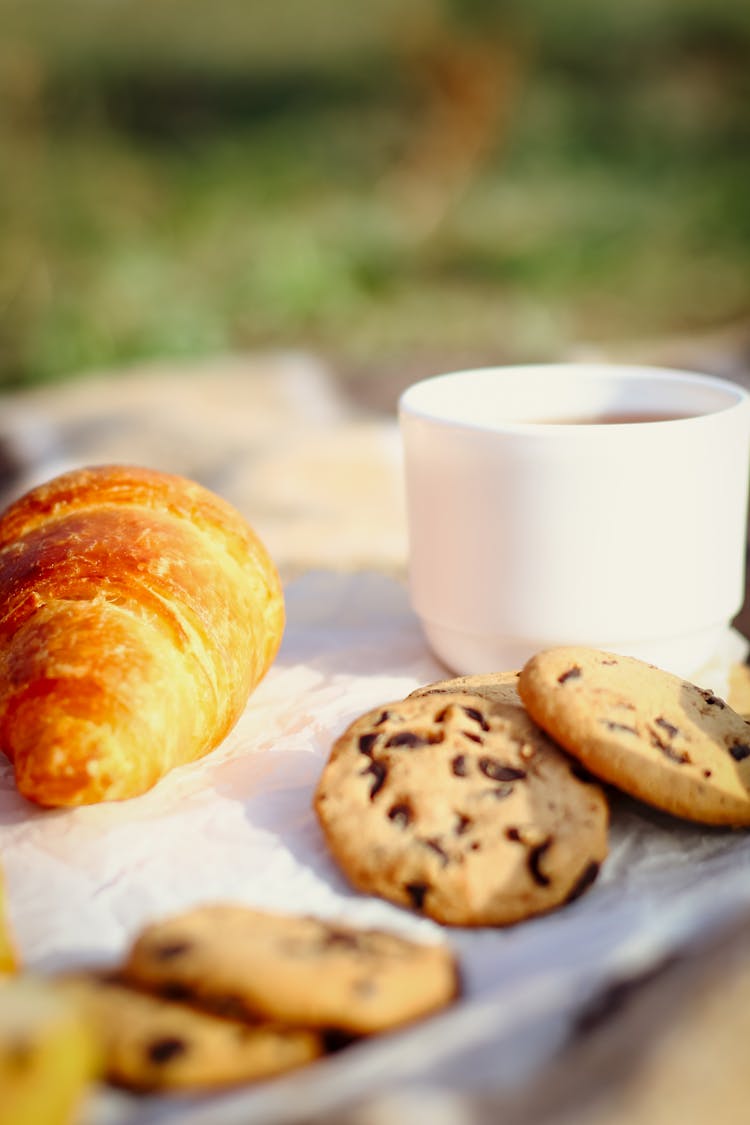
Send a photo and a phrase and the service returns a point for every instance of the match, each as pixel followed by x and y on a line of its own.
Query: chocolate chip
pixel 477 716
pixel 500 792
pixel 458 765
pixel 739 751
pixel 497 771
pixel 379 773
pixel 534 860
pixel 405 738
pixel 343 939
pixel 411 739
pixel 435 846
pixel 584 881
pixel 679 757
pixel 171 949
pixel 462 824
pixel 713 700
pixel 571 674
pixel 164 1050
pixel 474 737
pixel 669 728
pixel 513 834
pixel 366 743
pixel 401 814
pixel 618 728
pixel 707 773
pixel 417 893
pixel 384 717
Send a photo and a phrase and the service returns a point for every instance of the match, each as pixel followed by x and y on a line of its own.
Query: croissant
pixel 137 612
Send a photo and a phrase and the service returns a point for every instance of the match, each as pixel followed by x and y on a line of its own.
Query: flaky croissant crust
pixel 137 612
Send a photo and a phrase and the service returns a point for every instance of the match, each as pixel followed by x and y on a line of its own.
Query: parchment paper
pixel 238 826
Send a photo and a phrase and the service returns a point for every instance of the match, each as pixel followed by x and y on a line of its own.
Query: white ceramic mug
pixel 542 511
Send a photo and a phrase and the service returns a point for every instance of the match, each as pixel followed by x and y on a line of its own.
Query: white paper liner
pixel 238 826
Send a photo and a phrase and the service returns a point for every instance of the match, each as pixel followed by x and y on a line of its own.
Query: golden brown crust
pixel 137 613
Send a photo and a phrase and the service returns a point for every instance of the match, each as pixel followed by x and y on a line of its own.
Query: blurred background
pixel 399 186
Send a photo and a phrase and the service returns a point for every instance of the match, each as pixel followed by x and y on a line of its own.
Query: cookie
pixel 299 970
pixel 153 1044
pixel 659 738
pixel 498 687
pixel 461 809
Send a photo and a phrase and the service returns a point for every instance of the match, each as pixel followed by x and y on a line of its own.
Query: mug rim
pixel 414 400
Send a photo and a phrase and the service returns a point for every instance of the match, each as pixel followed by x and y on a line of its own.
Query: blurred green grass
pixel 475 180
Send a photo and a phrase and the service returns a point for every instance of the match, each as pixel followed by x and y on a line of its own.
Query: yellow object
pixel 8 959
pixel 47 1054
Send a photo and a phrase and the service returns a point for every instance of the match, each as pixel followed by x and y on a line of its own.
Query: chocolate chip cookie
pixel 462 809
pixel 149 1043
pixel 659 738
pixel 299 970
pixel 498 687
